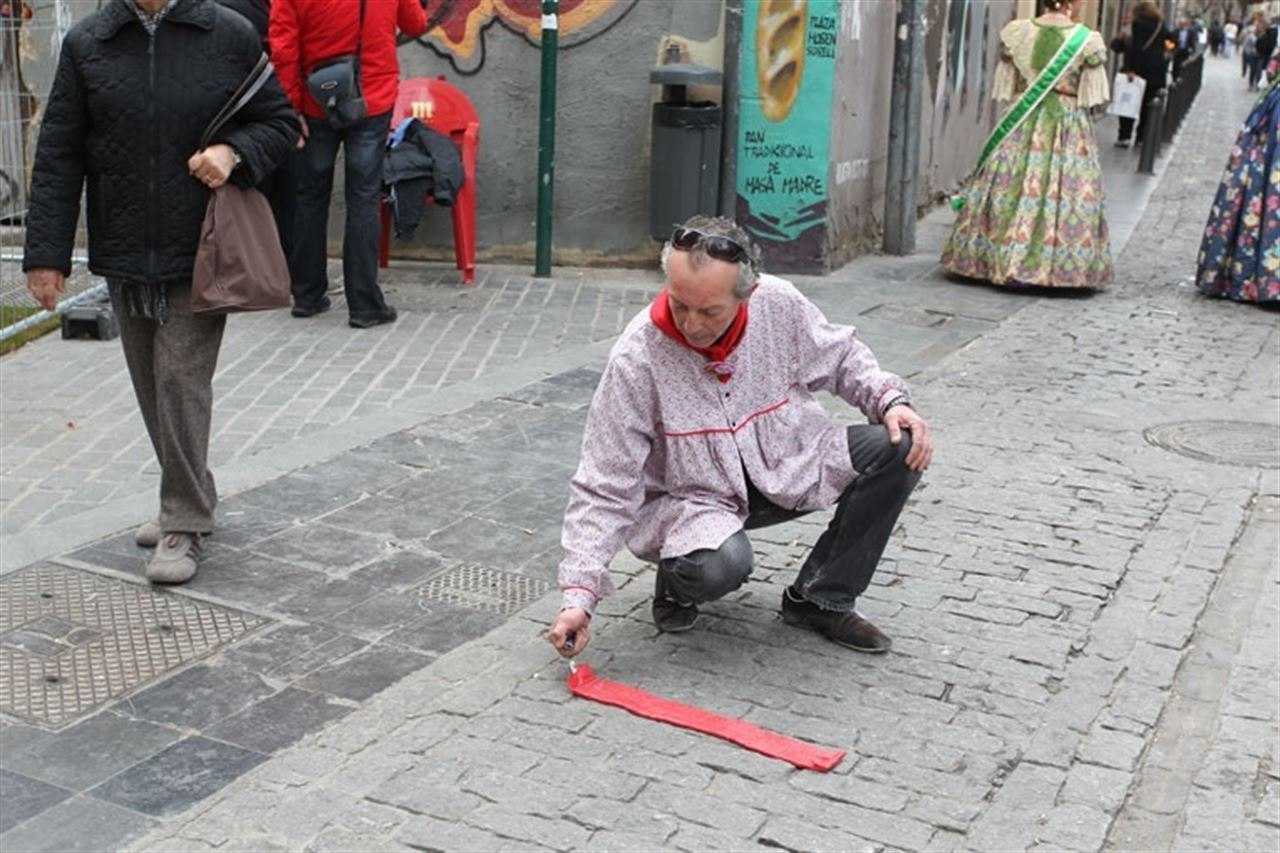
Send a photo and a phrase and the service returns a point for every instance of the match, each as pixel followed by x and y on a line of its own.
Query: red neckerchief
pixel 717 353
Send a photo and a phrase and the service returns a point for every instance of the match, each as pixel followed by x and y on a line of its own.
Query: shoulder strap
pixel 252 84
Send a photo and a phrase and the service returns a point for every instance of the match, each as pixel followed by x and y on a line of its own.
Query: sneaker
pixel 312 310
pixel 847 629
pixel 1122 143
pixel 175 558
pixel 670 615
pixel 387 316
pixel 148 535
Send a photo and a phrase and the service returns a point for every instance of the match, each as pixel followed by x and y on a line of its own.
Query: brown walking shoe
pixel 175 558
pixel 848 629
pixel 148 535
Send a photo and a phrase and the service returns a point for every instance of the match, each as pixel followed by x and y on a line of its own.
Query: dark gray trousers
pixel 172 365
pixel 840 566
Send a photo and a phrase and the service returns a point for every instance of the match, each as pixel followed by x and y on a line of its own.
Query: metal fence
pixel 30 37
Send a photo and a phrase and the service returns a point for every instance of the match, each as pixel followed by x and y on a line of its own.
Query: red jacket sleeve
pixel 411 18
pixel 286 49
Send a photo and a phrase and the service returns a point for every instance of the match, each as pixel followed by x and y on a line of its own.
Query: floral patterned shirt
pixel 668 448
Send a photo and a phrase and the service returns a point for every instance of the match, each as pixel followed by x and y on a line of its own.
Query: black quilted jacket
pixel 125 114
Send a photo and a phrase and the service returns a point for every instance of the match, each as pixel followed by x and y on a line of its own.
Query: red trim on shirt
pixel 712 430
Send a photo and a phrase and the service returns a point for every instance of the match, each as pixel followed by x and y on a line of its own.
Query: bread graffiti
pixel 780 49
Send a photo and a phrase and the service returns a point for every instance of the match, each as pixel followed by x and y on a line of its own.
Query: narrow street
pixel 1084 593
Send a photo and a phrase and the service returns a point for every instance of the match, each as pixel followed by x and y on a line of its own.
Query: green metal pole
pixel 547 137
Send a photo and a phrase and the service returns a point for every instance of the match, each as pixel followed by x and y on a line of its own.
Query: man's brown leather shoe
pixel 848 629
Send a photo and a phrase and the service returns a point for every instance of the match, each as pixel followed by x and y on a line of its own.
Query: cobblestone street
pixel 1086 622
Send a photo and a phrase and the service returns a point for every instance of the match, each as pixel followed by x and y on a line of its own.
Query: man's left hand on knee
pixel 901 418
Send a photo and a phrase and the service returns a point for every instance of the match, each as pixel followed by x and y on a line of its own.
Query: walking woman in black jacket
pixel 136 85
pixel 1145 56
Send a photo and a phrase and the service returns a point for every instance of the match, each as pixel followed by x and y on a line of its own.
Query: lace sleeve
pixel 1095 88
pixel 1005 85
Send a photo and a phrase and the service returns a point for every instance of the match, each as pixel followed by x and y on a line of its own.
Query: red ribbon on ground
pixel 585 683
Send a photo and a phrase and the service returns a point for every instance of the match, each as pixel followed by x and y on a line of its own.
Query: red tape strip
pixel 584 682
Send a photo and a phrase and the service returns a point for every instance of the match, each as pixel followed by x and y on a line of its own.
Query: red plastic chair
pixel 446 109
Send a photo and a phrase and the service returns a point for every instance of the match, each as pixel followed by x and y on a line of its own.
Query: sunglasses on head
pixel 720 248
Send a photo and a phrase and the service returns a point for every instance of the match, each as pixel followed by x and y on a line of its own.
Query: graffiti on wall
pixel 957 44
pixel 456 28
pixel 787 75
pixel 960 48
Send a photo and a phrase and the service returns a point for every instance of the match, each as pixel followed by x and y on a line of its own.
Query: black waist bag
pixel 335 84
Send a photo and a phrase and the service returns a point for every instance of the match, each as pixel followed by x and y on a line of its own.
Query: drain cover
pixel 70 641
pixel 908 315
pixel 480 588
pixel 1254 445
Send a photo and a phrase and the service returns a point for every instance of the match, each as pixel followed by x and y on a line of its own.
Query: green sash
pixel 1035 94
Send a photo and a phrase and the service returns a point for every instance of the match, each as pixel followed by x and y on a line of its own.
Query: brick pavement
pixel 1069 603
pixel 66 406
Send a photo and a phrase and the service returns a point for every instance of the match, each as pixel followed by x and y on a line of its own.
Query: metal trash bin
pixel 684 161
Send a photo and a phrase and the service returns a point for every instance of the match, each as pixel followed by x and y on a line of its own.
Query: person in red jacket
pixel 303 33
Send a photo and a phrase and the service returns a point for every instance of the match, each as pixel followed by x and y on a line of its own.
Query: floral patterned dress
pixel 1240 252
pixel 1034 214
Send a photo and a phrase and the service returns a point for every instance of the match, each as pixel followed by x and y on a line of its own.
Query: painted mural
pixel 787 72
pixel 456 28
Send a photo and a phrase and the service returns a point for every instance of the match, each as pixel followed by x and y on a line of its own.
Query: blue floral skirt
pixel 1240 253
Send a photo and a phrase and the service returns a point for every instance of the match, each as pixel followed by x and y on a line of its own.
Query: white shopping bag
pixel 1126 96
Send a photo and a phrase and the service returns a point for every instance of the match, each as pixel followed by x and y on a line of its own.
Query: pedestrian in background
pixel 1266 46
pixel 1230 33
pixel 1032 214
pixel 305 34
pixel 130 100
pixel 1144 56
pixel 1187 41
pixel 1252 65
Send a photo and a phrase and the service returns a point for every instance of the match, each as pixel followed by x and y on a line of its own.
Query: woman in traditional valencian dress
pixel 1240 253
pixel 1032 214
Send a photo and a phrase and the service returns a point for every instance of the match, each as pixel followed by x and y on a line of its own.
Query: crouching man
pixel 705 424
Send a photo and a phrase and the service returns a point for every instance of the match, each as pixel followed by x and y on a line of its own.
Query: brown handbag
pixel 239 263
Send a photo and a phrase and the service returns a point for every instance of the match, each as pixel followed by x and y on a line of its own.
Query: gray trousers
pixel 172 365
pixel 840 566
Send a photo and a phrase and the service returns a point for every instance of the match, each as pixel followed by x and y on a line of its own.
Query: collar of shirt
pixel 718 353
pixel 151 20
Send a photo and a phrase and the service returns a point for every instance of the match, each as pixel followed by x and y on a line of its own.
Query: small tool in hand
pixel 569 642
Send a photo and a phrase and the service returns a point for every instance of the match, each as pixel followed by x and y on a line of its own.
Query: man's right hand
pixel 306 131
pixel 571 631
pixel 46 285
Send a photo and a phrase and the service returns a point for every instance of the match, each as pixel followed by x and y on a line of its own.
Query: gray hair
pixel 721 226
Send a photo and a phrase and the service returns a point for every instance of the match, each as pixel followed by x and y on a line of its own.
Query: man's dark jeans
pixel 363 147
pixel 281 190
pixel 840 566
